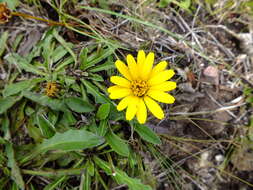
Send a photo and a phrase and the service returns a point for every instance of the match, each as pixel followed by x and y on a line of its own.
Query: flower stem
pixel 53 173
pixel 50 22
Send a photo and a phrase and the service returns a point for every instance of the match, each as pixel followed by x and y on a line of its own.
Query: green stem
pixel 54 173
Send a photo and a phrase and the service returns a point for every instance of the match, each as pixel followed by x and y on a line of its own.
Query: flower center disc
pixel 139 87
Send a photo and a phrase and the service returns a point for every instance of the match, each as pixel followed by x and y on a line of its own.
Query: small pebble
pixel 219 158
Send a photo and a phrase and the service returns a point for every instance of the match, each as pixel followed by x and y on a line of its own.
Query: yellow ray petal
pixel 132 108
pixel 162 77
pixel 165 86
pixel 112 88
pixel 120 93
pixel 154 107
pixel 120 81
pixel 147 66
pixel 161 96
pixel 140 59
pixel 123 69
pixel 132 66
pixel 158 68
pixel 124 102
pixel 141 112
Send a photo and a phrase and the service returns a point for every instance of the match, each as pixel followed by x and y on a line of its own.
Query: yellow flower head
pixel 141 86
pixel 5 13
pixel 51 89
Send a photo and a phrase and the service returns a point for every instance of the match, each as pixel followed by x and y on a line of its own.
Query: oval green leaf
pixel 71 140
pixel 103 111
pixel 102 128
pixel 17 87
pixel 8 102
pixel 54 104
pixel 117 144
pixel 120 176
pixel 78 105
pixel 46 127
pixel 68 141
pixel 147 134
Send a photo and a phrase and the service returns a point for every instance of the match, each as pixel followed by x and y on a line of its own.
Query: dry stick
pixel 195 182
pixel 216 102
pixel 184 45
pixel 195 16
pixel 208 112
pixel 179 139
pixel 50 22
pixel 204 131
pixel 189 29
pixel 228 52
pixel 201 129
pixel 38 18
pixel 232 33
pixel 119 24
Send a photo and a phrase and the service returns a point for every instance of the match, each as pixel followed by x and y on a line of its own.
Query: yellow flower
pixel 141 86
pixel 5 13
pixel 51 89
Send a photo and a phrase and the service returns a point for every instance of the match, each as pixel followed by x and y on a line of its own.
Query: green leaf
pixel 5 127
pixel 19 117
pixel 59 53
pixel 55 184
pixel 71 140
pixel 79 105
pixel 120 176
pixel 91 89
pixel 15 88
pixel 34 132
pixel 14 186
pixel 3 41
pixel 15 171
pixel 23 63
pixel 17 41
pixel 90 168
pixel 64 63
pixel 68 141
pixel 182 4
pixel 147 134
pixel 8 102
pixel 47 49
pixel 103 67
pixel 104 4
pixel 96 77
pixel 104 53
pixel 249 99
pixel 102 128
pixel 116 115
pixel 2 141
pixel 54 104
pixel 85 181
pixel 11 4
pixel 83 57
pixel 185 4
pixel 117 144
pixel 164 3
pixel 68 118
pixel 46 127
pixel 66 45
pixel 103 111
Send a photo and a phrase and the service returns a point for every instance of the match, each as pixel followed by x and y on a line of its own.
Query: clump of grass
pixel 67 119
